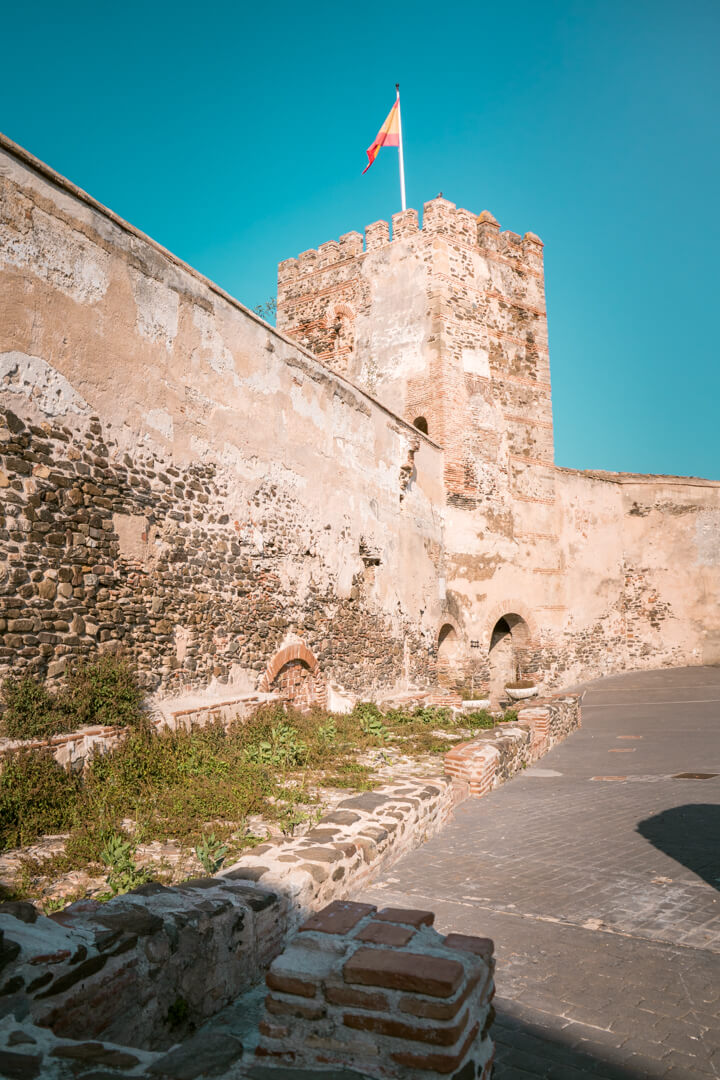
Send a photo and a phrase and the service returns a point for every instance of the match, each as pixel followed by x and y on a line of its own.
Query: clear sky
pixel 235 135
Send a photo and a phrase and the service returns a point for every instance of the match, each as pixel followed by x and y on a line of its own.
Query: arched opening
pixel 509 643
pixel 421 424
pixel 449 656
pixel 295 682
pixel 341 320
pixel 294 673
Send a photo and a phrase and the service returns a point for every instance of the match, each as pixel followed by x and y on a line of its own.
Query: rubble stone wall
pixel 181 480
pixel 145 968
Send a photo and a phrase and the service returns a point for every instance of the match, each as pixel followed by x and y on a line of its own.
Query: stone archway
pixel 449 656
pixel 509 644
pixel 295 674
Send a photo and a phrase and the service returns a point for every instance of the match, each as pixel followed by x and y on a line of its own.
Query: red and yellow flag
pixel 388 135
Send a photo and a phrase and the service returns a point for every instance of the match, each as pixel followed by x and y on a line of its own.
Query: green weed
pixel 124 874
pixel 211 852
pixel 102 691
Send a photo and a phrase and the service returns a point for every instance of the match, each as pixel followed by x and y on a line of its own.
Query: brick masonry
pixel 498 754
pixel 383 991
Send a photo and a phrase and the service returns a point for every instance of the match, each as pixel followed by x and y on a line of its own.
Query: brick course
pixel 428 1010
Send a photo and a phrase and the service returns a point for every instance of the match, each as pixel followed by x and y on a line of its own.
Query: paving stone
pixel 204 1055
pixel 589 887
pixel 16 1066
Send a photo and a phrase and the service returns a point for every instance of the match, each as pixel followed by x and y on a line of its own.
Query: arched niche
pixel 449 655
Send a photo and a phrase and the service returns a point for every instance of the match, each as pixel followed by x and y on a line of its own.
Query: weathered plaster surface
pixel 259 477
pixel 183 480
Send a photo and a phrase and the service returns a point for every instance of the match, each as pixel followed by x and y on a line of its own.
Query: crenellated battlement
pixel 441 218
pixel 443 319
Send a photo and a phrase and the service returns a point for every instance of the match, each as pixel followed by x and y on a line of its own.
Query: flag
pixel 388 135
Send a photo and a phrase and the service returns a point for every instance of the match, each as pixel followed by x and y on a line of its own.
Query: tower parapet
pixel 445 322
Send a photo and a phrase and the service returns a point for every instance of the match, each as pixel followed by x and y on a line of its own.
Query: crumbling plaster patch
pixel 35 379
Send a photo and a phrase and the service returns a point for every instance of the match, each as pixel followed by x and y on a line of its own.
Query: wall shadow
pixel 526 1050
pixel 690 835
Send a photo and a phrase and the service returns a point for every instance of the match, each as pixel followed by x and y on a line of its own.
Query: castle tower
pixel 446 325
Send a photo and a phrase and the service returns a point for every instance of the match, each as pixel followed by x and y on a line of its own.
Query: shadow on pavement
pixel 689 834
pixel 526 1049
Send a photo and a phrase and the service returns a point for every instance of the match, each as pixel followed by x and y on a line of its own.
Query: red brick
pixel 396 1029
pixel 287 984
pixel 431 975
pixel 439 1063
pixel 385 934
pixel 51 958
pixel 480 946
pixel 339 917
pixel 294 1008
pixel 273 1031
pixel 409 916
pixel 278 1055
pixel 438 1010
pixel 361 999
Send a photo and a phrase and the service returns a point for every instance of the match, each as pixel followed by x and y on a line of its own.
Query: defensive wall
pixel 551 572
pixel 179 478
pixel 361 501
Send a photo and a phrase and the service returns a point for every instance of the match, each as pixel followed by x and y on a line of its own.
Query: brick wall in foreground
pixel 497 755
pixel 383 991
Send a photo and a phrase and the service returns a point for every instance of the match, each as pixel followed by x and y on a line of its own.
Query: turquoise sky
pixel 235 135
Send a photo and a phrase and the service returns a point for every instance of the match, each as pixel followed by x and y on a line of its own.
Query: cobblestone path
pixel 597 873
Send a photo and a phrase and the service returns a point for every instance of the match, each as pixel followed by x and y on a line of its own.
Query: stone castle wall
pixel 180 479
pixel 447 322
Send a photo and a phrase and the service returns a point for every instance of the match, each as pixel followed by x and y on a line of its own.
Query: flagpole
pixel 400 148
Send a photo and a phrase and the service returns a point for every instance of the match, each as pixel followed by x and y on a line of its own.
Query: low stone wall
pixel 74 749
pixel 498 754
pixel 380 992
pixel 196 946
pixel 352 844
pixel 384 991
pixel 145 968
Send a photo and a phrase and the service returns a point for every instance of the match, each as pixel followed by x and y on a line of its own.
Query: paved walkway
pixel 597 873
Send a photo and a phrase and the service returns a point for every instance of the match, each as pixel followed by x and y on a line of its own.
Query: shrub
pixel 104 691
pixel 433 714
pixel 36 796
pixel 481 718
pixel 366 711
pixel 283 748
pixel 32 710
pixel 374 729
